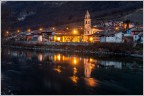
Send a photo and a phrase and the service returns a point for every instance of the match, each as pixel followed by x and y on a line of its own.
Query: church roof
pixel 87 14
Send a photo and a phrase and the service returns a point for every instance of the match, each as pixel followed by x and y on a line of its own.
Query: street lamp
pixel 7 32
pixel 29 30
pixel 75 31
pixel 40 29
pixel 116 28
pixel 18 30
pixel 91 39
pixel 53 28
pixel 58 38
pixel 67 28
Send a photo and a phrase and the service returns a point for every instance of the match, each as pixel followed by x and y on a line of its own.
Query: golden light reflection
pixel 74 61
pixel 63 58
pixel 87 68
pixel 92 66
pixel 91 82
pixel 74 78
pixel 75 70
pixel 57 57
pixel 58 69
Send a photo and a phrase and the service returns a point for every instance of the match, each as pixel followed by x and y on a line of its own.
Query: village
pixel 72 48
pixel 108 32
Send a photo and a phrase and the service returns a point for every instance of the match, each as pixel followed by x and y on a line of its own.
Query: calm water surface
pixel 43 73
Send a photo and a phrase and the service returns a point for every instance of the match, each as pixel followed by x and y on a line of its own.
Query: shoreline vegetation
pixel 126 49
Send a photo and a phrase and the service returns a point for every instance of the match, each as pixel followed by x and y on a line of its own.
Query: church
pixel 85 37
pixel 88 30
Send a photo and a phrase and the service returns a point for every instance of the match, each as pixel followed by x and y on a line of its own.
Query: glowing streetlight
pixel 91 39
pixel 75 31
pixel 53 28
pixel 18 30
pixel 58 38
pixel 67 28
pixel 74 61
pixel 29 30
pixel 59 57
pixel 40 29
pixel 116 28
pixel 7 32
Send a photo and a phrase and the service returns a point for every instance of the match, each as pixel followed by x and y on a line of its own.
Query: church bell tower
pixel 87 24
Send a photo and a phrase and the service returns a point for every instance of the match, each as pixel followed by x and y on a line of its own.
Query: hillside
pixel 33 14
pixel 136 16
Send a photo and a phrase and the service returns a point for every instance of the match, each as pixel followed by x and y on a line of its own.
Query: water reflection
pixel 91 82
pixel 60 71
pixel 74 78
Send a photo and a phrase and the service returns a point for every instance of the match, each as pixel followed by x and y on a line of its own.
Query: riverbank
pixel 92 48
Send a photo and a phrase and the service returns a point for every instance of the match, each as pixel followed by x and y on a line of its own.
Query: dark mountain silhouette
pixel 25 14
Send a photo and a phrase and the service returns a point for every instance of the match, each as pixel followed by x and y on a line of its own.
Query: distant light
pixel 91 39
pixel 53 28
pixel 7 32
pixel 116 28
pixel 75 31
pixel 40 29
pixel 67 28
pixel 29 30
pixel 58 38
pixel 18 30
pixel 59 57
pixel 75 61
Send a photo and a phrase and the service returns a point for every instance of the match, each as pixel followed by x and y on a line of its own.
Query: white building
pixel 112 38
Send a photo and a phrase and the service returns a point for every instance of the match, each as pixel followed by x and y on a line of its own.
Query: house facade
pixel 112 38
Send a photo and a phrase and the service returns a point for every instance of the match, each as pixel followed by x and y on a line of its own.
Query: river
pixel 26 72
